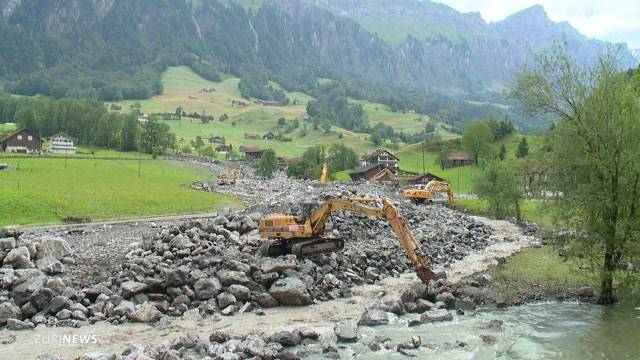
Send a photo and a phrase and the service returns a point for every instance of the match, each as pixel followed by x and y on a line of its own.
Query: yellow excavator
pixel 229 178
pixel 424 193
pixel 305 235
pixel 324 178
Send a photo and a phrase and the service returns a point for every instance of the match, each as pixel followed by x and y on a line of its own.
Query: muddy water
pixel 536 331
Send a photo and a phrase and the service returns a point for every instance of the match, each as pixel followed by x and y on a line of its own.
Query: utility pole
pixel 139 162
pixel 423 145
pixel 458 189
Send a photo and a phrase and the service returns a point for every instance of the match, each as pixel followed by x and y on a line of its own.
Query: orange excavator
pixel 324 178
pixel 306 235
pixel 424 193
pixel 229 178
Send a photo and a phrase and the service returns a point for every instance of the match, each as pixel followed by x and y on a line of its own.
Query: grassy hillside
pixel 41 191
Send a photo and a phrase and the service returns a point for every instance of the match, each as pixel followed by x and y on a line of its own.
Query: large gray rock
pixel 374 317
pixel 23 291
pixel 59 303
pixel 124 308
pixel 131 288
pixel 13 231
pixel 50 265
pixel 15 324
pixel 18 258
pixel 346 333
pixel 241 292
pixel 9 311
pixel 275 265
pixel 206 289
pixel 41 298
pixel 146 313
pixel 228 277
pixel 225 299
pixel 436 316
pixel 285 338
pixel 290 291
pixel 7 243
pixel 53 246
pixel 180 242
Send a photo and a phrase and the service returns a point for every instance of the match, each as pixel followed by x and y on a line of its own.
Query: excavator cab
pixel 307 208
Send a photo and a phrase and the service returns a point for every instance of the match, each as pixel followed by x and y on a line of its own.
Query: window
pixel 30 138
pixel 19 137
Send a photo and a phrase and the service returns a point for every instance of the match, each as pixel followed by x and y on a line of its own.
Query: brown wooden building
pixel 382 157
pixel 456 159
pixel 22 141
pixel 250 152
pixel 424 178
pixel 285 162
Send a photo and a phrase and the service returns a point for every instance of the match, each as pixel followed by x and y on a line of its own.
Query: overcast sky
pixel 611 20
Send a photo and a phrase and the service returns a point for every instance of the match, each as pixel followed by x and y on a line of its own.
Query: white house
pixel 61 143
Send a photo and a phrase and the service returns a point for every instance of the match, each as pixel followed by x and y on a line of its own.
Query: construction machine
pixel 229 178
pixel 324 178
pixel 424 193
pixel 306 235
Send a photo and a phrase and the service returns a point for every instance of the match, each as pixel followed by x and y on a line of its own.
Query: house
pixel 22 141
pixel 424 178
pixel 61 143
pixel 285 162
pixel 250 136
pixel 238 104
pixel 224 149
pixel 216 140
pixel 268 103
pixel 456 159
pixel 250 152
pixel 365 172
pixel 382 157
pixel 268 136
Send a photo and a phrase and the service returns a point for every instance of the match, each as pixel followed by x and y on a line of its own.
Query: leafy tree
pixel 523 148
pixel 476 138
pixel 199 142
pixel 376 139
pixel 341 157
pixel 223 117
pixel 186 149
pixel 500 128
pixel 156 137
pixel 503 153
pixel 208 152
pixel 501 187
pixel 179 112
pixel 594 156
pixel 325 126
pixel 129 134
pixel 430 127
pixel 282 121
pixel 267 164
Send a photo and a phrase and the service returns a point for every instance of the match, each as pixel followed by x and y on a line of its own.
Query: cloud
pixel 601 19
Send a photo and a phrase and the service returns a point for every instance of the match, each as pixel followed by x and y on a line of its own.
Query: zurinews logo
pixel 75 339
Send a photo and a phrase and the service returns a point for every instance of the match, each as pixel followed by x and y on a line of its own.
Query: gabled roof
pixel 458 156
pixel 250 149
pixel 65 134
pixel 378 152
pixel 364 169
pixel 18 131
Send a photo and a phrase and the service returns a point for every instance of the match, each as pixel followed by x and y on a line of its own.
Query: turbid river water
pixel 535 331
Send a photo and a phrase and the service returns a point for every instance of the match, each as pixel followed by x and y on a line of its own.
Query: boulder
pixel 18 258
pixel 264 299
pixel 131 288
pixel 14 231
pixel 7 243
pixel 488 339
pixel 290 291
pixel 285 338
pixel 146 313
pixel 181 242
pixel 50 265
pixel 225 299
pixel 23 291
pixel 228 277
pixel 373 317
pixel 346 333
pixel 41 298
pixel 436 316
pixel 58 303
pixel 9 311
pixel 447 298
pixel 124 308
pixel 15 324
pixel 53 246
pixel 586 291
pixel 207 288
pixel 241 292
pixel 275 265
pixel 464 304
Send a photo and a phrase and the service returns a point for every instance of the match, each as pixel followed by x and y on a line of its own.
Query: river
pixel 534 331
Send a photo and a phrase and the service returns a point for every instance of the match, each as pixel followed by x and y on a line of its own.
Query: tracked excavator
pixel 305 235
pixel 324 178
pixel 424 193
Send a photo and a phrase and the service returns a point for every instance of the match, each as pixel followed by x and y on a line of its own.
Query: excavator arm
pixel 412 247
pixel 324 177
pixel 441 186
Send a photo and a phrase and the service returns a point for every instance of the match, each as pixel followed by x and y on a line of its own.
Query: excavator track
pixel 302 247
